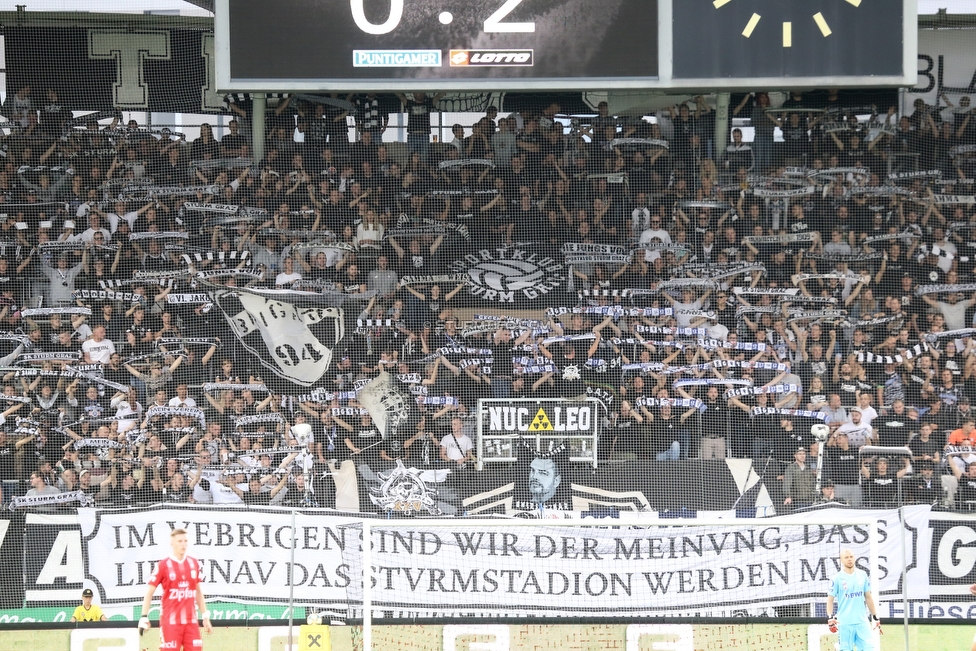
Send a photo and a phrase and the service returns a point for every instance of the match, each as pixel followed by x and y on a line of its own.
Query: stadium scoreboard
pixel 476 45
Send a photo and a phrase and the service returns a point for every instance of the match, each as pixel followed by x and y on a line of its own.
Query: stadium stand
pixel 727 302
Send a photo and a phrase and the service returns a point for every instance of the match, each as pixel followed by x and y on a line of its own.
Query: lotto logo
pixel 491 58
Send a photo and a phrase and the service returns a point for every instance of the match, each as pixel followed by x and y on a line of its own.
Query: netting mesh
pixel 593 569
pixel 474 102
pixel 661 320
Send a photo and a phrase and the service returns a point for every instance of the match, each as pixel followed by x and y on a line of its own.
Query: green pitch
pixel 758 637
pixel 227 639
pixel 924 638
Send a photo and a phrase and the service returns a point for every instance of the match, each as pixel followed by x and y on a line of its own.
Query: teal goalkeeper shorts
pixel 855 636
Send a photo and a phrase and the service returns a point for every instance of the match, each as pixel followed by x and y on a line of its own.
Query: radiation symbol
pixel 541 422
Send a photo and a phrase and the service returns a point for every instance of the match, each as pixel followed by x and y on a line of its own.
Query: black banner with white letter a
pixel 53 569
pixel 11 556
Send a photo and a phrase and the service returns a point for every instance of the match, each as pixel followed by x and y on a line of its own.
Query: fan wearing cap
pixel 827 495
pixel 87 611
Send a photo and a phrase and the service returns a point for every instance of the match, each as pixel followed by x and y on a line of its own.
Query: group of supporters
pixel 719 304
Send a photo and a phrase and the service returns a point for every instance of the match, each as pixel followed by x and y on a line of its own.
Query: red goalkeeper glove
pixel 876 623
pixel 832 624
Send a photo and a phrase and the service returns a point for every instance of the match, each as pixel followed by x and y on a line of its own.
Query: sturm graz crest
pixel 511 274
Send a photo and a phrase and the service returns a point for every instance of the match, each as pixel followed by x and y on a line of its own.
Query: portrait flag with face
pixel 540 475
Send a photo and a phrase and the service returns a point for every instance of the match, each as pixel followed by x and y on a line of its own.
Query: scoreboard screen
pixel 537 45
pixel 460 44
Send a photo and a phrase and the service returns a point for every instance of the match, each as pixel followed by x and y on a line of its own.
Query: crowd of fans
pixel 724 303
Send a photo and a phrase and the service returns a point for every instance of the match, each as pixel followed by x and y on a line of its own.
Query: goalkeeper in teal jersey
pixel 851 588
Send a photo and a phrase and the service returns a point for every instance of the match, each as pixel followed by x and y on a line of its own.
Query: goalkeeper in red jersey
pixel 179 576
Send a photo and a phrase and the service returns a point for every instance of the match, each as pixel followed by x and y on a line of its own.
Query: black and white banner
pixel 593 249
pixel 107 295
pixel 130 68
pixel 608 258
pixel 166 412
pixel 881 191
pixel 433 280
pixel 212 208
pixel 796 192
pixel 793 413
pixel 844 257
pixel 766 291
pixel 932 337
pixel 962 150
pixel 964 288
pixel 56 499
pixel 921 174
pixel 143 192
pixel 840 171
pixel 392 408
pixel 517 275
pixel 292 340
pixel 774 389
pixel 555 571
pixel 188 299
pixel 570 418
pixel 102 444
pixel 953 199
pixel 244 553
pixel 790 238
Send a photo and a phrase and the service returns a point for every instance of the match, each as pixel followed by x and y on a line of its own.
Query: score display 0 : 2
pixel 493 23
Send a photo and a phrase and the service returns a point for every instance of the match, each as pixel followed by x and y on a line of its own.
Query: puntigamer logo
pixel 508 275
pixel 396 58
pixel 461 58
